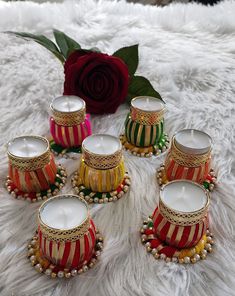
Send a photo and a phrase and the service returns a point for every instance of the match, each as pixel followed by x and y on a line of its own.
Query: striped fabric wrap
pixel 101 180
pixel 70 136
pixel 176 171
pixel 69 254
pixel 178 236
pixel 142 135
pixel 36 180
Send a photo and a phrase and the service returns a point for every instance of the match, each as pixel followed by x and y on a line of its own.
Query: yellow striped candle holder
pixel 180 164
pixel 33 174
pixel 101 176
pixel 178 229
pixel 69 124
pixel 67 242
pixel 144 127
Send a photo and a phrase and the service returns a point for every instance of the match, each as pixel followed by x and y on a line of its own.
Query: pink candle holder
pixel 69 124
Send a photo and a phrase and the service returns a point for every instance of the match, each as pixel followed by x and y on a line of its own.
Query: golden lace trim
pixel 67 234
pixel 30 163
pixel 69 118
pixel 181 218
pixel 146 117
pixel 102 162
pixel 188 160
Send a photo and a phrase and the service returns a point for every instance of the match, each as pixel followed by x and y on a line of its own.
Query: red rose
pixel 99 79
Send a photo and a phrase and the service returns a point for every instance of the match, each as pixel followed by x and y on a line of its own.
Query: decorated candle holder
pixel 101 176
pixel 33 174
pixel 144 127
pixel 67 242
pixel 189 157
pixel 69 124
pixel 178 229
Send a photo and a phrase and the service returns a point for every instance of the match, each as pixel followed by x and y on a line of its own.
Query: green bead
pixel 206 185
pixel 150 224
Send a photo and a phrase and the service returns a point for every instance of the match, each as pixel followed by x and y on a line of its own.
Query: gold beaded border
pixel 157 254
pixel 44 266
pixel 106 197
pixel 154 150
pixel 209 183
pixel 38 196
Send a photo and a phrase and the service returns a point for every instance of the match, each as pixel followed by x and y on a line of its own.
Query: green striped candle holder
pixel 144 127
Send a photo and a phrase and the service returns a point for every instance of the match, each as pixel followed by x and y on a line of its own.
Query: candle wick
pixel 26 147
pixel 68 104
pixel 65 218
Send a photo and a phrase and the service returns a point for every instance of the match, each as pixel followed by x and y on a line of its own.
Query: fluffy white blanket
pixel 187 51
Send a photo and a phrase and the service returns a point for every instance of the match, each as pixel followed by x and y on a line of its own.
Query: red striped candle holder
pixel 67 242
pixel 33 174
pixel 69 124
pixel 178 236
pixel 182 165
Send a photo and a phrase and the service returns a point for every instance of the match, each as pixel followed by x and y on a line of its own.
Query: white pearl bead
pixel 60 274
pixel 74 272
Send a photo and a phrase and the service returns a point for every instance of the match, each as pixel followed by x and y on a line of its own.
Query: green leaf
pixel 66 44
pixel 42 40
pixel 130 57
pixel 140 86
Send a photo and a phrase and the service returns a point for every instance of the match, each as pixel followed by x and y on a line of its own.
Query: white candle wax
pixel 27 146
pixel 67 104
pixel 64 212
pixel 193 141
pixel 184 196
pixel 102 144
pixel 146 103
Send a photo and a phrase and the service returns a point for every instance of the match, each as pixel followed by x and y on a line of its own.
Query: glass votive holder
pixel 144 127
pixel 33 174
pixel 69 123
pixel 189 157
pixel 101 175
pixel 67 242
pixel 178 229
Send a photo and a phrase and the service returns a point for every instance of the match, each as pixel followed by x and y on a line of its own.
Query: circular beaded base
pixel 99 197
pixel 146 151
pixel 43 265
pixel 54 189
pixel 58 150
pixel 160 250
pixel 209 183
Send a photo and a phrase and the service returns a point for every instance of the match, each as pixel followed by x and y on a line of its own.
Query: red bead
pixel 149 231
pixel 155 243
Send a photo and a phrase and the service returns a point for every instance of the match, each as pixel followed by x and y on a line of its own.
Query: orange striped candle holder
pixel 69 124
pixel 144 127
pixel 33 174
pixel 101 176
pixel 189 159
pixel 178 229
pixel 67 242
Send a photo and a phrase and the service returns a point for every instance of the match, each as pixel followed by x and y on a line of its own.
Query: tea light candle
pixel 102 144
pixel 64 213
pixel 193 141
pixel 147 103
pixel 184 196
pixel 28 146
pixel 67 104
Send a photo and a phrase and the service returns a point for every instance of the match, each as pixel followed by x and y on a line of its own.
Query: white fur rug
pixel 187 51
